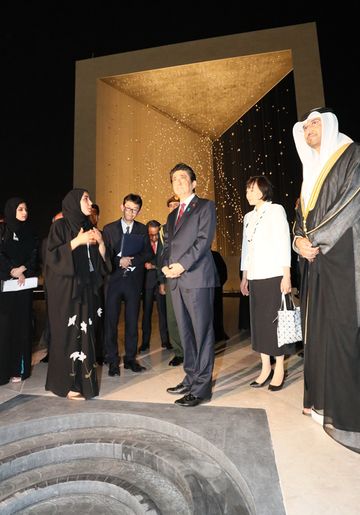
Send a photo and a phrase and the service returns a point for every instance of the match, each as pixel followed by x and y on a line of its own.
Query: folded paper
pixel 13 284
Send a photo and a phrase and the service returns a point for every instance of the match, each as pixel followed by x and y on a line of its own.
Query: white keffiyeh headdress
pixel 313 161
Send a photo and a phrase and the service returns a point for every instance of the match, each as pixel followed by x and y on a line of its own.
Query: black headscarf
pixel 18 249
pixel 10 213
pixel 71 209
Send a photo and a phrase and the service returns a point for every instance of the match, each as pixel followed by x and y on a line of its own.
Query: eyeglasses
pixel 131 210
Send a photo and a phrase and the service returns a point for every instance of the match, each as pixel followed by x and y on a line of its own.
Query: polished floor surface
pixel 317 475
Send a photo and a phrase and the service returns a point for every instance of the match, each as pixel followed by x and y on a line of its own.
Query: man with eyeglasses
pixel 129 246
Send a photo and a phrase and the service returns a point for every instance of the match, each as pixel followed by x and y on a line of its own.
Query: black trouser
pixel 121 289
pixel 149 295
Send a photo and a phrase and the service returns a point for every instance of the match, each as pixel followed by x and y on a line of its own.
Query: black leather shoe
pixel 144 348
pixel 177 360
pixel 166 345
pixel 114 370
pixel 179 389
pixel 190 400
pixel 254 384
pixel 134 366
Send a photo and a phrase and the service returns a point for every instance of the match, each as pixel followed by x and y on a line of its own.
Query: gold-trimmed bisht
pixel 317 188
pixel 311 204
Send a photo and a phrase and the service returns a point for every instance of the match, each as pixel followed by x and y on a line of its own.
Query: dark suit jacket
pixel 189 243
pixel 113 235
pixel 152 276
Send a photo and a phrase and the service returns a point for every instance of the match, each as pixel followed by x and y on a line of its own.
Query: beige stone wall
pixel 136 146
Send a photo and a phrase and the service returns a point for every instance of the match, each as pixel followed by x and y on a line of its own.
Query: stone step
pixel 160 471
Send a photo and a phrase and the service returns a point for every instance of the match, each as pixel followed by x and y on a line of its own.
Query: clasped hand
pixel 90 237
pixel 306 250
pixel 173 271
pixel 125 261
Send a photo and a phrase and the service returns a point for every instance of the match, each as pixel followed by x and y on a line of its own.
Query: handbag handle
pixel 283 306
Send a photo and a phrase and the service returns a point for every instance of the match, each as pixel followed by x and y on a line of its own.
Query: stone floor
pixel 315 474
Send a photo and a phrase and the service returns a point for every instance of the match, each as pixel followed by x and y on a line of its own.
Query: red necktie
pixel 181 211
pixel 153 244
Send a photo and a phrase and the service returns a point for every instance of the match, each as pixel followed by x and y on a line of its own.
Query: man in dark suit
pixel 129 246
pixel 151 291
pixel 190 269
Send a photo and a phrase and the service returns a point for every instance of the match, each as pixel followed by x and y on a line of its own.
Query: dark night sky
pixel 40 48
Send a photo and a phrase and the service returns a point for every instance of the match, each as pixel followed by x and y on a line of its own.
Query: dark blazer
pixel 152 276
pixel 113 235
pixel 189 243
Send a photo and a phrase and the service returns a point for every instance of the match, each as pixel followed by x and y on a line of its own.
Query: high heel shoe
pixel 276 388
pixel 255 384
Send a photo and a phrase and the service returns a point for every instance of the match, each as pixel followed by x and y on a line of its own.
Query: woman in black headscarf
pixel 76 263
pixel 18 260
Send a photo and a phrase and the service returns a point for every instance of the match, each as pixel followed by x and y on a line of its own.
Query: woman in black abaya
pixel 18 260
pixel 76 264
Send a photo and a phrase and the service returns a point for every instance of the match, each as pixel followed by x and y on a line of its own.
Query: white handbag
pixel 289 323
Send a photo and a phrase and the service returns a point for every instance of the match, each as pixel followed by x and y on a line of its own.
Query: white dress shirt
pixel 186 202
pixel 124 226
pixel 266 246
